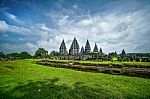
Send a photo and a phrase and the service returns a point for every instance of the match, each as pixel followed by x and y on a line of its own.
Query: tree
pixel 2 55
pixel 24 55
pixel 12 56
pixel 113 54
pixel 54 53
pixel 41 52
pixel 116 54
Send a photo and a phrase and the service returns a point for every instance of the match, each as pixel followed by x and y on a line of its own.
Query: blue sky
pixel 26 25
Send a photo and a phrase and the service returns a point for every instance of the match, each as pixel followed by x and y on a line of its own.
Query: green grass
pixel 145 64
pixel 25 80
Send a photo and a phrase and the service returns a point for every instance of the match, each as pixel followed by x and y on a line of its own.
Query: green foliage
pixel 2 55
pixel 54 53
pixel 24 55
pixel 41 52
pixel 23 79
pixel 113 54
pixel 12 56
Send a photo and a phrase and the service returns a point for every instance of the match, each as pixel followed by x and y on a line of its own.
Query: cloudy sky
pixel 26 25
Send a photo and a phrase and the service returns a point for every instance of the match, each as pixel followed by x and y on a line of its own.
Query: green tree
pixel 12 56
pixel 2 55
pixel 41 52
pixel 54 53
pixel 24 55
pixel 113 54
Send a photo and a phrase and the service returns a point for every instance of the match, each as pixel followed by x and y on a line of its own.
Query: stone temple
pixel 74 49
pixel 87 48
pixel 86 53
pixel 63 49
pixel 76 53
pixel 95 48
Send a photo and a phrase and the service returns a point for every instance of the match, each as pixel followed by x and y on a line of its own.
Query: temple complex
pixel 84 54
pixel 74 48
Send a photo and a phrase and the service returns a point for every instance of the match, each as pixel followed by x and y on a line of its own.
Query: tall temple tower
pixel 82 51
pixel 100 51
pixel 87 47
pixel 63 49
pixel 95 48
pixel 123 53
pixel 74 49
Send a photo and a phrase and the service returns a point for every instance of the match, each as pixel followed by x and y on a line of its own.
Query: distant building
pixel 82 51
pixel 87 47
pixel 84 54
pixel 96 54
pixel 100 51
pixel 63 49
pixel 74 49
pixel 95 48
pixel 123 53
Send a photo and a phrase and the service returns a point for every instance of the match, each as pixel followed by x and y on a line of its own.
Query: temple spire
pixel 87 47
pixel 63 49
pixel 100 51
pixel 82 51
pixel 95 48
pixel 74 49
pixel 123 52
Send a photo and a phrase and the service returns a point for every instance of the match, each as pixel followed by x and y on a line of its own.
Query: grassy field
pixel 26 80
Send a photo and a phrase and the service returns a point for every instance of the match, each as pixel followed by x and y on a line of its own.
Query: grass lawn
pixel 26 80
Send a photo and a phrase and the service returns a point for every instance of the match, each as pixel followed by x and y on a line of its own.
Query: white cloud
pixel 85 22
pixel 75 6
pixel 19 30
pixel 30 47
pixel 3 26
pixel 13 48
pixel 13 17
pixel 112 31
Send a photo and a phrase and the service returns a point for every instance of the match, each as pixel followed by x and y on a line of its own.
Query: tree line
pixel 14 56
pixel 42 53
